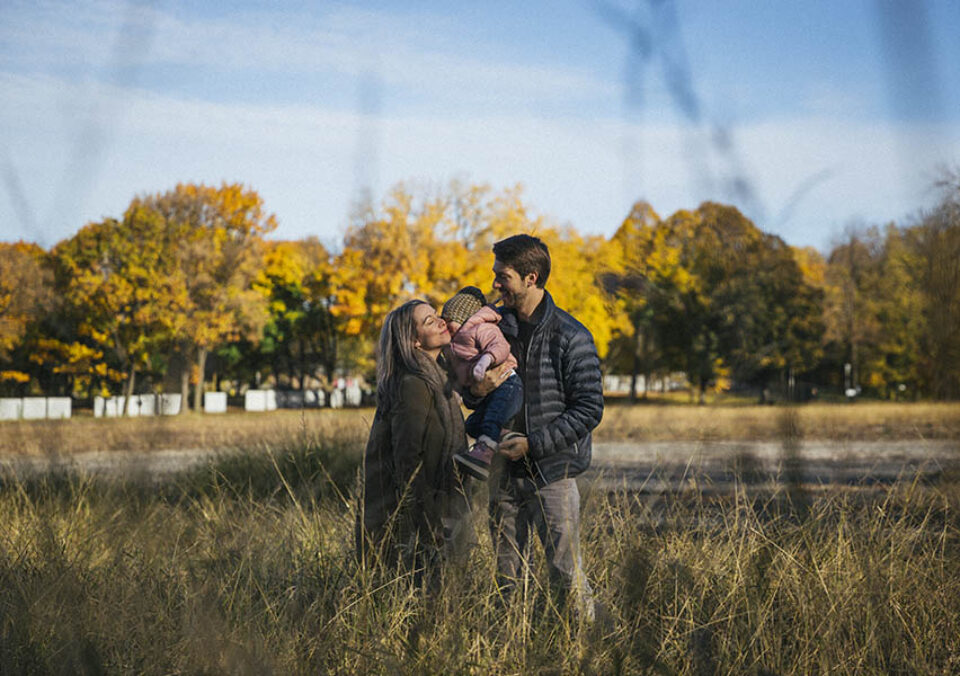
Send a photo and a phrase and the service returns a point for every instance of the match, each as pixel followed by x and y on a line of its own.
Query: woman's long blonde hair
pixel 397 353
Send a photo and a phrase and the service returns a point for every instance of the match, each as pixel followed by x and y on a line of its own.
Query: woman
pixel 413 503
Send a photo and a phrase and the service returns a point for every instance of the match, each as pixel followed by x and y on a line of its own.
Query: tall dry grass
pixel 247 566
pixel 191 431
pixel 864 421
pixel 858 421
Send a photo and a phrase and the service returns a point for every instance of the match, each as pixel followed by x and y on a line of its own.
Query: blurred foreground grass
pixel 246 566
pixel 652 422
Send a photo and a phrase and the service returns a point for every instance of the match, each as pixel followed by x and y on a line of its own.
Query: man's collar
pixel 537 316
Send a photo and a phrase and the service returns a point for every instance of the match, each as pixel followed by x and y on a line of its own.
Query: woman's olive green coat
pixel 409 477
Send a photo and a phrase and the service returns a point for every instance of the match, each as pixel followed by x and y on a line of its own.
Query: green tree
pixel 766 317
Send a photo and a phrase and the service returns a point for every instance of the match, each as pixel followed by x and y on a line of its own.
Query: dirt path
pixel 651 466
pixel 716 465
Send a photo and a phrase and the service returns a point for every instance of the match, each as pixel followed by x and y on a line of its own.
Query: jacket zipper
pixel 526 412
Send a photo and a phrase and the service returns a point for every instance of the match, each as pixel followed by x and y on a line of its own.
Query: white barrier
pixel 314 398
pixel 255 400
pixel 133 408
pixel 147 404
pixel 59 407
pixel 352 395
pixel 34 408
pixel 10 408
pixel 170 404
pixel 140 405
pixel 214 402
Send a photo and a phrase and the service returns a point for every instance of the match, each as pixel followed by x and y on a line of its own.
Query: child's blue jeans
pixel 496 409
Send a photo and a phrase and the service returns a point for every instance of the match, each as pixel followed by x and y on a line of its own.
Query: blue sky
pixel 808 116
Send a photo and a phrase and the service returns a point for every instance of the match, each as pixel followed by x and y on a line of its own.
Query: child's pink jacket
pixel 477 335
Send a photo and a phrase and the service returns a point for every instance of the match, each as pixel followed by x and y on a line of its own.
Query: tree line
pixel 185 290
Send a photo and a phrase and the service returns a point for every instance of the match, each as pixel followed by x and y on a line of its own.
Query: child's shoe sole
pixel 472 467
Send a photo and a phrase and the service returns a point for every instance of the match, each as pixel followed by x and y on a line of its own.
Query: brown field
pixel 245 564
pixel 641 423
pixel 863 421
pixel 233 430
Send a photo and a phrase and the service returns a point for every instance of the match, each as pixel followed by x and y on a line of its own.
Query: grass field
pixel 246 565
pixel 653 422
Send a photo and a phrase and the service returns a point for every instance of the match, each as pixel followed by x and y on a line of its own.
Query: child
pixel 476 344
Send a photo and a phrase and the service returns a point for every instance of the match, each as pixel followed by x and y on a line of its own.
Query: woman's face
pixel 432 333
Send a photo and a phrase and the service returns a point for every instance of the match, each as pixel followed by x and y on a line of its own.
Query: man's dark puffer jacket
pixel 563 392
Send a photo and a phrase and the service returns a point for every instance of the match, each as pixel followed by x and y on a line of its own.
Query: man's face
pixel 512 287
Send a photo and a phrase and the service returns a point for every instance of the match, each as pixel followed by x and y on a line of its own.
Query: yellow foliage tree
pixel 25 295
pixel 215 238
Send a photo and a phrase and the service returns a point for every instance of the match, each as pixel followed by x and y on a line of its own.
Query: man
pixel 563 403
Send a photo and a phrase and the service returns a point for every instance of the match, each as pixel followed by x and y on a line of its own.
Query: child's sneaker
pixel 476 461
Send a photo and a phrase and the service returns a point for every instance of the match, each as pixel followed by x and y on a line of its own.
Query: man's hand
pixel 515 448
pixel 491 379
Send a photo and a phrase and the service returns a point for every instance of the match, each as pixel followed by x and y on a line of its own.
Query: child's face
pixel 453 327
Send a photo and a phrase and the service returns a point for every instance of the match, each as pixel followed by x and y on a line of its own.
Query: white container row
pixel 154 404
pixel 139 405
pixel 35 408
pixel 271 400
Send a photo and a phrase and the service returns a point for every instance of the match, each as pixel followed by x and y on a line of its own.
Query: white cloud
pixel 304 159
pixel 408 52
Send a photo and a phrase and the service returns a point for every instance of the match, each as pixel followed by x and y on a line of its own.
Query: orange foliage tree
pixel 25 295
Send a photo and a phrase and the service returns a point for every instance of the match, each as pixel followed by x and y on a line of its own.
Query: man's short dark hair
pixel 525 254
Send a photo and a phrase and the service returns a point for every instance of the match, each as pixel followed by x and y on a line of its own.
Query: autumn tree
pixel 301 336
pixel 25 296
pixel 214 237
pixel 426 244
pixel 121 291
pixel 937 245
pixel 716 296
pixel 626 277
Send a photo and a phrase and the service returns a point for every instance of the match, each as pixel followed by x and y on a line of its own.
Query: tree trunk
pixel 128 390
pixel 201 368
pixel 303 365
pixel 276 373
pixel 185 382
pixel 637 339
